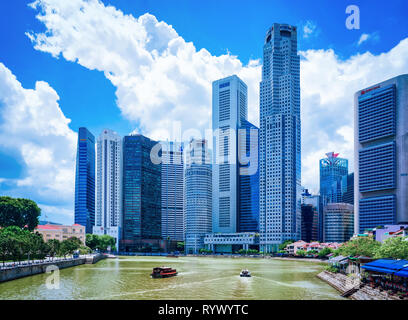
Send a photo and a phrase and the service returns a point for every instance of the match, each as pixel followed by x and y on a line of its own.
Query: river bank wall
pixel 25 271
pixel 344 284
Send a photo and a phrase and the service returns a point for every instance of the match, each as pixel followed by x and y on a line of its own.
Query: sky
pixel 147 67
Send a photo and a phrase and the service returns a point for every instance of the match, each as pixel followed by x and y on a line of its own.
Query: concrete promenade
pixel 13 271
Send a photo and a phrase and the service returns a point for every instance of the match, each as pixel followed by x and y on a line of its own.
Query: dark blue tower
pixel 85 180
pixel 248 214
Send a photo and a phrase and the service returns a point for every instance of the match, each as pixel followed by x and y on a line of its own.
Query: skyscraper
pixel 172 188
pixel 229 110
pixel 109 185
pixel 198 195
pixel 381 153
pixel 141 193
pixel 332 170
pixel 280 214
pixel 347 188
pixel 248 195
pixel 338 222
pixel 85 180
pixel 310 223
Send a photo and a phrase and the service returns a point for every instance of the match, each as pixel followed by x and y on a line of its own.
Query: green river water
pixel 199 278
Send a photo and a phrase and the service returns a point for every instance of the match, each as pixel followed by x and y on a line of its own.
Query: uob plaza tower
pixel 279 138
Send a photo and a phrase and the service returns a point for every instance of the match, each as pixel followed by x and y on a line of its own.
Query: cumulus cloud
pixel 328 85
pixel 33 125
pixel 160 78
pixel 366 37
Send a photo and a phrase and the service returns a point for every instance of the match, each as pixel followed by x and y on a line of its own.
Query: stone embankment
pixel 352 288
pixel 29 270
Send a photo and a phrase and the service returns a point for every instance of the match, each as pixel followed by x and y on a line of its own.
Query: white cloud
pixel 32 123
pixel 364 37
pixel 309 28
pixel 161 78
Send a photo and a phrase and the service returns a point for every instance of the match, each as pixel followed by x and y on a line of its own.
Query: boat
pixel 163 272
pixel 245 273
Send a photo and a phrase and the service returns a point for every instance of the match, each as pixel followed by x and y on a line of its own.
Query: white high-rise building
pixel 198 195
pixel 280 189
pixel 229 110
pixel 108 217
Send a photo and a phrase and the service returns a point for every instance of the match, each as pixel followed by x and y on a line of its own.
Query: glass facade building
pixel 332 170
pixel 248 197
pixel 279 145
pixel 172 188
pixel 85 180
pixel 381 153
pixel 310 223
pixel 338 222
pixel 198 195
pixel 141 193
pixel 229 110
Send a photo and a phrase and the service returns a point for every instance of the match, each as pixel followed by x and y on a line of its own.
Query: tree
pixel 366 246
pixel 106 241
pixel 180 246
pixel 92 241
pixel 54 247
pixel 84 250
pixel 283 245
pixel 301 253
pixel 395 248
pixel 19 212
pixel 70 245
pixel 324 252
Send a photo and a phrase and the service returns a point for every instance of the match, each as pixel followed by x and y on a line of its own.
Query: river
pixel 198 278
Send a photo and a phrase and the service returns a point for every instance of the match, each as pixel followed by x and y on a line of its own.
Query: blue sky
pixel 89 97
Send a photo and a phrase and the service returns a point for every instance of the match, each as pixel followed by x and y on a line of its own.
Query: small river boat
pixel 245 273
pixel 163 272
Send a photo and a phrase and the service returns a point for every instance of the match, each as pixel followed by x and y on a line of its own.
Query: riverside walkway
pixel 12 265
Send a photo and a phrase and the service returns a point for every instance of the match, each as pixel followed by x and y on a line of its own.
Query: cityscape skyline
pixel 61 174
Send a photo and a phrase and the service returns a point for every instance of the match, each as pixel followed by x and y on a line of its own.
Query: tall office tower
pixel 109 185
pixel 141 193
pixel 347 188
pixel 338 222
pixel 381 153
pixel 172 184
pixel 198 195
pixel 279 145
pixel 310 223
pixel 85 180
pixel 316 202
pixel 229 109
pixel 332 169
pixel 248 194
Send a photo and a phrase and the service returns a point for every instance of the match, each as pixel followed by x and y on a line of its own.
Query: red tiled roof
pixel 49 227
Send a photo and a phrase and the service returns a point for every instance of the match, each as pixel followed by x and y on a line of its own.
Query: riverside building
pixel 108 219
pixel 338 222
pixel 235 177
pixel 198 195
pixel 172 189
pixel 279 158
pixel 141 196
pixel 380 154
pixel 85 180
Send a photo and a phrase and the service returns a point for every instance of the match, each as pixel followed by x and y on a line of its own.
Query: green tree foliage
pixel 395 248
pixel 366 246
pixel 18 212
pixel 17 244
pixel 283 245
pixel 324 252
pixel 301 253
pixel 69 245
pixel 102 243
pixel 180 246
pixel 54 247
